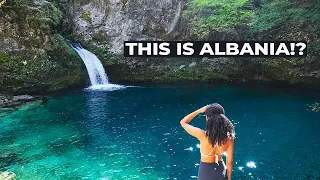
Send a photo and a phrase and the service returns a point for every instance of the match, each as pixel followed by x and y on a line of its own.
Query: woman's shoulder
pixel 203 135
pixel 230 141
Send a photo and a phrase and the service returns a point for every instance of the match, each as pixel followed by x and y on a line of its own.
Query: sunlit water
pixel 134 133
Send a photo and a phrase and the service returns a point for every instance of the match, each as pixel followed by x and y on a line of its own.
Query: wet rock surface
pixel 7 102
pixel 7 176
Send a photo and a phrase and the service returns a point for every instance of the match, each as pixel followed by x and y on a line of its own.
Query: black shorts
pixel 212 171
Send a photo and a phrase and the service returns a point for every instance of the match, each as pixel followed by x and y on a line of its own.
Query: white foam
pixel 108 87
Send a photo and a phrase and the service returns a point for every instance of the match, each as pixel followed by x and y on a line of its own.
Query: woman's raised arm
pixel 193 131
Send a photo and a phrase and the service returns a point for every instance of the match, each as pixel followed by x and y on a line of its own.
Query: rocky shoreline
pixel 9 102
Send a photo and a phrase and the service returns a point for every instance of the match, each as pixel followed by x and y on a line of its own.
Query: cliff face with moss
pixel 102 26
pixel 35 57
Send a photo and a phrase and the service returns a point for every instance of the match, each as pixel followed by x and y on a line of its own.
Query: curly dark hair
pixel 218 128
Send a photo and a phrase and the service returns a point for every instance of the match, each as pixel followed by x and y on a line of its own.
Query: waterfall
pixel 94 67
pixel 97 74
pixel 175 19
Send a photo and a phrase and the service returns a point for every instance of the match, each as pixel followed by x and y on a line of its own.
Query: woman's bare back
pixel 206 147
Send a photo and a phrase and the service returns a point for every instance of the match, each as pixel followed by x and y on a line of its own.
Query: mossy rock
pixel 43 61
pixel 85 16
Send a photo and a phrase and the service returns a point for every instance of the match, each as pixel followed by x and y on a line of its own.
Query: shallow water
pixel 134 133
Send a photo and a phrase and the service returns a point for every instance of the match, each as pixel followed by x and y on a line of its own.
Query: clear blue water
pixel 134 133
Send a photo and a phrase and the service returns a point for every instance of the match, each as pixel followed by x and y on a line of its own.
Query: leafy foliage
pixel 218 14
pixel 208 15
pixel 276 13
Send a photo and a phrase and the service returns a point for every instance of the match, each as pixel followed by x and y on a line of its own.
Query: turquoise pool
pixel 134 133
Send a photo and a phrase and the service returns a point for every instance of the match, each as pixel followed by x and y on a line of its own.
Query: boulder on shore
pixel 13 101
pixel 7 176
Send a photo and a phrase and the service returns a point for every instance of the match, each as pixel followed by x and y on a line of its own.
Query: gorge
pixel 36 59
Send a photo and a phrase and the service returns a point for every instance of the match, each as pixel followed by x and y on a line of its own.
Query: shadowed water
pixel 134 133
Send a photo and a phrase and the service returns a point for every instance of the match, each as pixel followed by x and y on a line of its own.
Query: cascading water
pixel 94 67
pixel 96 72
pixel 175 19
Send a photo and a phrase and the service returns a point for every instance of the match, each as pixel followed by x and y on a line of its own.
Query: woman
pixel 217 139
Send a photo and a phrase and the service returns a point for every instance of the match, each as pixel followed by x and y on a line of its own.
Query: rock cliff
pixel 103 26
pixel 35 57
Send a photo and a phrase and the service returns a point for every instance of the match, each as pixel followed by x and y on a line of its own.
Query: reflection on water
pixel 95 122
pixel 251 164
pixel 189 149
pixel 134 133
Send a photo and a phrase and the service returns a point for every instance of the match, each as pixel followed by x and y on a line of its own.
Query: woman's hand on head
pixel 203 109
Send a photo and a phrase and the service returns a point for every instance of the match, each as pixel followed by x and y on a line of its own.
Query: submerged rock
pixel 7 176
pixel 8 159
